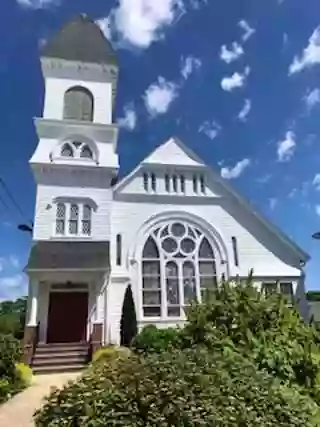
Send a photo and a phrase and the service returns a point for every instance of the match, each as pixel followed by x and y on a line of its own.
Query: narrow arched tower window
pixel 78 104
pixel 86 152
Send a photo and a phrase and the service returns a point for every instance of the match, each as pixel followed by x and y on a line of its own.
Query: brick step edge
pixel 59 361
pixel 51 354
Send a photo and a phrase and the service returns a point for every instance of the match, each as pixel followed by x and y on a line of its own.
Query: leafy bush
pixel 242 359
pixel 107 354
pixel 264 329
pixel 178 388
pixel 10 354
pixel 24 374
pixel 151 339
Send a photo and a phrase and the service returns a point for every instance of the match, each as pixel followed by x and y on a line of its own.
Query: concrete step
pixel 59 360
pixel 60 348
pixel 53 369
pixel 62 354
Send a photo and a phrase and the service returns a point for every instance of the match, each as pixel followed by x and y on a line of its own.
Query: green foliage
pixel 265 329
pixel 110 353
pixel 178 388
pixel 12 317
pixel 242 359
pixel 313 295
pixel 152 339
pixel 10 354
pixel 24 374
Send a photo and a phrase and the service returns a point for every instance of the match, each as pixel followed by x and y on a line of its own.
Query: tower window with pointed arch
pixel 78 104
pixel 67 151
pixel 86 152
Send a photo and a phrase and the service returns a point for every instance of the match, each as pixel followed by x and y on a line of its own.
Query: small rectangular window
pixel 73 221
pixel 269 288
pixel 153 182
pixel 195 184
pixel 167 183
pixel 182 184
pixel 202 184
pixel 235 251
pixel 119 249
pixel 146 182
pixel 286 290
pixel 175 183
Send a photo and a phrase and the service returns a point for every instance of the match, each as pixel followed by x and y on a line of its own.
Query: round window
pixel 169 245
pixel 188 246
pixel 178 230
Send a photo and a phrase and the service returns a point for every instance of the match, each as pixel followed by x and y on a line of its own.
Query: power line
pixel 13 200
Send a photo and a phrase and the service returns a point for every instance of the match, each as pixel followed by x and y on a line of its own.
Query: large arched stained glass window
pixel 178 265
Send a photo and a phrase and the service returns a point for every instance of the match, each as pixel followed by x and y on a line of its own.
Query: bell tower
pixel 76 157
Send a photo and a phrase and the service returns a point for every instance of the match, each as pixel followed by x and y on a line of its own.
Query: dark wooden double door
pixel 67 317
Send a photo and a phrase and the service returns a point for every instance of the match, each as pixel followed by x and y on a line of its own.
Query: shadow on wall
pixel 129 326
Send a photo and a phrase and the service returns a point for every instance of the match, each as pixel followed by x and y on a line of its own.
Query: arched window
pixel 66 151
pixel 60 218
pixel 178 265
pixel 86 152
pixel 78 104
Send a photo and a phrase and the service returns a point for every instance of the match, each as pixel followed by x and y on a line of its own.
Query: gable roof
pixel 173 152
pixel 80 40
pixel 162 156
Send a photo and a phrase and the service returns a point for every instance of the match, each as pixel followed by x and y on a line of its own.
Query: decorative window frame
pixel 55 155
pixel 135 252
pixel 81 202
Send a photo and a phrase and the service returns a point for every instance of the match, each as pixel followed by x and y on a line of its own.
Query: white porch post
pixel 99 305
pixel 33 315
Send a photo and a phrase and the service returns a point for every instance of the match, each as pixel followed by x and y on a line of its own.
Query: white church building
pixel 169 230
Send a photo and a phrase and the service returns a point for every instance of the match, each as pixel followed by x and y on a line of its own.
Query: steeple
pixel 80 40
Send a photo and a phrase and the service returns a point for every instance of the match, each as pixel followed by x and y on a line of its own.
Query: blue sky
pixel 237 81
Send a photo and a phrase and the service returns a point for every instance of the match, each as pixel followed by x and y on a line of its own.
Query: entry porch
pixel 67 295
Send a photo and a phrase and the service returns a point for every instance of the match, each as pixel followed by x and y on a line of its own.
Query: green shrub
pixel 151 339
pixel 24 374
pixel 265 330
pixel 178 388
pixel 107 354
pixel 10 354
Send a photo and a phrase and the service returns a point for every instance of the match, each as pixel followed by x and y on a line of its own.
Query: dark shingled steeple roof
pixel 80 40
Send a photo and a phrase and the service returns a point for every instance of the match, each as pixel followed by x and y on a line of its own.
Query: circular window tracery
pixel 183 265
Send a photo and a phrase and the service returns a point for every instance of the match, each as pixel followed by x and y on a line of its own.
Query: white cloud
pixel 310 55
pixel 12 287
pixel 312 98
pixel 210 128
pixel 141 22
pixel 232 54
pixel 286 147
pixel 129 120
pixel 236 171
pixel 243 114
pixel 248 31
pixel 38 4
pixel 237 80
pixel 318 210
pixel 105 25
pixel 14 261
pixel 159 96
pixel 316 181
pixel 189 65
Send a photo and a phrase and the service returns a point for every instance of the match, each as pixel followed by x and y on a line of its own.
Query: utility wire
pixel 13 200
